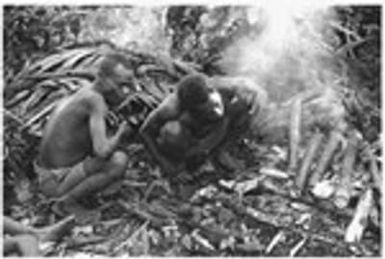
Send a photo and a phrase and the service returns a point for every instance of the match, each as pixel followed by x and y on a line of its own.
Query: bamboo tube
pixel 326 157
pixel 311 152
pixel 344 191
pixel 294 133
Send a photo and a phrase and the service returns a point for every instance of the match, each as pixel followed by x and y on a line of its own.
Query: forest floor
pixel 251 212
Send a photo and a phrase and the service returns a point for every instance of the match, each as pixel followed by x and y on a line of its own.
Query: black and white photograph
pixel 182 130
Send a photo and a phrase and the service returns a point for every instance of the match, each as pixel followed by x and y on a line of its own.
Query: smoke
pixel 288 53
pixel 137 28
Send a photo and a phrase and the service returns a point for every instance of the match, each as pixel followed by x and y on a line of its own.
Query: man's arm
pixel 103 146
pixel 244 90
pixel 166 111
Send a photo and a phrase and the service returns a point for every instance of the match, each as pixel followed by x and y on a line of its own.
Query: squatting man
pixel 200 118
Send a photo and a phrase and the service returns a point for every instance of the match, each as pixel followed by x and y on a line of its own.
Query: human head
pixel 199 98
pixel 113 75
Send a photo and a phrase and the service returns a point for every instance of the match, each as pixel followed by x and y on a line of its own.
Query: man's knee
pixel 119 159
pixel 25 238
pixel 26 245
pixel 118 163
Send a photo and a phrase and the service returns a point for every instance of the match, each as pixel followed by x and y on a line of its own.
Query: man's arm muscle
pixel 166 111
pixel 244 89
pixel 103 147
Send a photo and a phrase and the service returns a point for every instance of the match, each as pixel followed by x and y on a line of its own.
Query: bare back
pixel 67 138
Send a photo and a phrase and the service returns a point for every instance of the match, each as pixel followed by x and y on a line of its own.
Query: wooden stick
pixel 326 157
pixel 202 240
pixel 311 152
pixel 295 133
pixel 274 241
pixel 344 191
pixel 298 246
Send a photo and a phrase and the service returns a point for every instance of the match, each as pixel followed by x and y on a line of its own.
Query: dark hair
pixel 193 90
pixel 109 62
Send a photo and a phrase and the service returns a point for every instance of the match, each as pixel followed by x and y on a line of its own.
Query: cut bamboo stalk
pixel 311 152
pixel 326 157
pixel 343 193
pixel 359 222
pixel 294 133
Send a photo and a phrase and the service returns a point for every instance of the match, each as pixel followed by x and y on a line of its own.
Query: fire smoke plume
pixel 289 54
pixel 285 51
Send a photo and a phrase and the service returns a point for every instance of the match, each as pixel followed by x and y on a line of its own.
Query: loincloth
pixel 50 179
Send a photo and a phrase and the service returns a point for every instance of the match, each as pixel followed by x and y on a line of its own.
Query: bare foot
pixel 229 162
pixel 56 231
pixel 27 245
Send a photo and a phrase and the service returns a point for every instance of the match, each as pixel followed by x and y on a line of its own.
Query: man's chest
pixel 197 127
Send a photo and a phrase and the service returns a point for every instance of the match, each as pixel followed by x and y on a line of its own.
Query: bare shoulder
pixel 234 83
pixel 169 108
pixel 237 83
pixel 91 99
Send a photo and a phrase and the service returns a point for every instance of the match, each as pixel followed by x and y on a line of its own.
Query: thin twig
pixel 298 246
pixel 274 241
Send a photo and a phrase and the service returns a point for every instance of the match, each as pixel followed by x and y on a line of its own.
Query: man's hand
pixel 123 127
pixel 126 135
pixel 203 146
pixel 249 97
pixel 170 168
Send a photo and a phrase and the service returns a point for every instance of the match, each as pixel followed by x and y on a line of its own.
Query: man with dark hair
pixel 76 157
pixel 199 118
